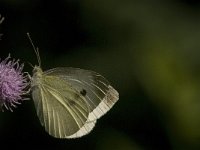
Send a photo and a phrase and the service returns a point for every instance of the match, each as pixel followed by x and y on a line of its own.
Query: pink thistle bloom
pixel 13 83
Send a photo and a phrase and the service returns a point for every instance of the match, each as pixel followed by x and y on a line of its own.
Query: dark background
pixel 148 50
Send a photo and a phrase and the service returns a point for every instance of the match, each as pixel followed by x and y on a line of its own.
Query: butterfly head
pixel 37 71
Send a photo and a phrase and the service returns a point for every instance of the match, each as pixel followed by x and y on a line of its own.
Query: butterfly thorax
pixel 37 75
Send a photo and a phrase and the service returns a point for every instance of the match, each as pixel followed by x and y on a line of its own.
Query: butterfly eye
pixel 34 70
pixel 37 70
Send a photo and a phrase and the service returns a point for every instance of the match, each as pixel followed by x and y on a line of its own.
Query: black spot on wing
pixel 83 92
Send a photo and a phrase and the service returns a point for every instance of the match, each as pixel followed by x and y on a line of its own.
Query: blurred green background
pixel 148 50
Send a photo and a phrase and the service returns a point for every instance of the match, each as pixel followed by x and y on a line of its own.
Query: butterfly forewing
pixel 70 100
pixel 100 96
pixel 60 108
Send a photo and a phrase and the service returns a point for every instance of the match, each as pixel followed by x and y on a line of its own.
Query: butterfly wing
pixel 60 108
pixel 100 96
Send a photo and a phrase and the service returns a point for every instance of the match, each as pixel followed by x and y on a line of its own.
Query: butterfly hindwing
pixel 61 109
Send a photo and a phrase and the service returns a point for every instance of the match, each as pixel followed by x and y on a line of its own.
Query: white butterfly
pixel 70 100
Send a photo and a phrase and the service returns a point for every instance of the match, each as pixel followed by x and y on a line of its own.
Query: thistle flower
pixel 13 83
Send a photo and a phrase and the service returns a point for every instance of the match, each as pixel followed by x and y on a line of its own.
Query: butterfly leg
pixel 29 82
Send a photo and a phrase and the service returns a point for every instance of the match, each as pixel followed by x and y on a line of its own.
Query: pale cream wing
pixel 61 109
pixel 85 129
pixel 99 94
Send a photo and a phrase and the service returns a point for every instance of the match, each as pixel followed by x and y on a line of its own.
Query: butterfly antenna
pixel 35 49
pixel 1 19
pixel 30 64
